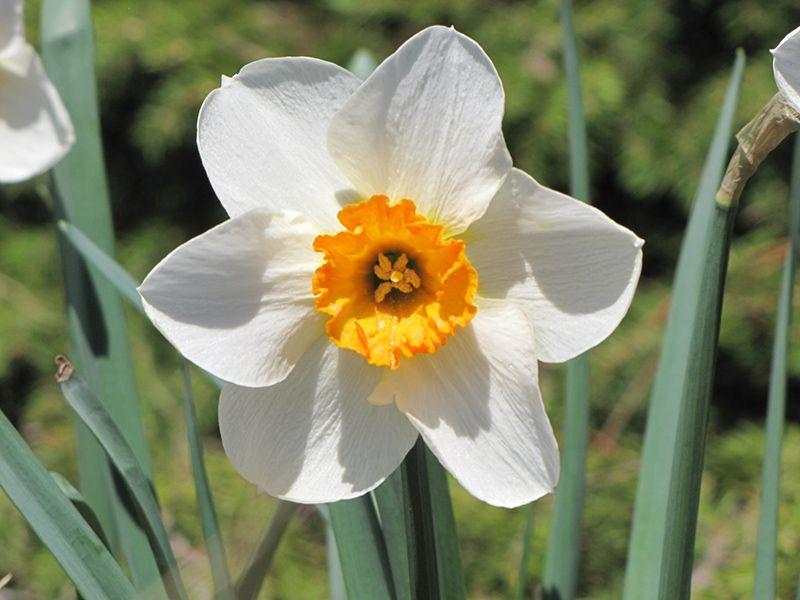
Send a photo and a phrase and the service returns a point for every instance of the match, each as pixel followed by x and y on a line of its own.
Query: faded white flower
pixel 786 66
pixel 35 128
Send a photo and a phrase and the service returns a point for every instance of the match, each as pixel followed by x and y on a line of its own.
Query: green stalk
pixel 420 534
pixel 249 585
pixel 98 333
pixel 526 550
pixel 431 537
pixel 766 542
pixel 564 544
pixel 362 550
pixel 389 498
pixel 665 515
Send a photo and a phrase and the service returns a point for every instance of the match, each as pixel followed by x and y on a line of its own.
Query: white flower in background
pixel 786 66
pixel 35 129
pixel 385 273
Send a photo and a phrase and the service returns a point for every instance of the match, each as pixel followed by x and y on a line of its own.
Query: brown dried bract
pixel 64 368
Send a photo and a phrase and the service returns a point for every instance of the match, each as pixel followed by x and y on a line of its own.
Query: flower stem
pixel 756 140
pixel 420 532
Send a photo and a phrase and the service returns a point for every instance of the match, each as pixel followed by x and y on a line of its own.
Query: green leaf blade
pixel 564 542
pixel 98 333
pixel 96 418
pixel 56 521
pixel 662 537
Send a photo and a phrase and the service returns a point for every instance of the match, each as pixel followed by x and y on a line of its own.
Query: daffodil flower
pixel 786 67
pixel 35 128
pixel 385 273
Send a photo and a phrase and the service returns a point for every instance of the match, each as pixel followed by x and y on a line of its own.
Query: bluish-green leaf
pixel 111 271
pixel 223 588
pixel 79 502
pixel 336 586
pixel 665 516
pixel 56 521
pixel 564 544
pixel 94 415
pixel 767 540
pixel 362 550
pixel 97 328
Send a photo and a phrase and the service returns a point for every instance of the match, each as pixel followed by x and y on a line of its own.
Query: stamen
pixel 397 276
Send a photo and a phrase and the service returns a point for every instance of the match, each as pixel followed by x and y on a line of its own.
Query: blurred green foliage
pixel 653 72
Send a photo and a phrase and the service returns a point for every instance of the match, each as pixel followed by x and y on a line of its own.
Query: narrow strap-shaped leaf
pixel 564 543
pixel 249 584
pixel 389 498
pixel 98 333
pixel 362 550
pixel 767 540
pixel 79 502
pixel 56 521
pixel 223 587
pixel 665 515
pixel 526 551
pixel 111 271
pixel 96 418
pixel 336 589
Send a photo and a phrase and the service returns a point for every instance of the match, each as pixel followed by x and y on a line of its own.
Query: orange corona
pixel 392 285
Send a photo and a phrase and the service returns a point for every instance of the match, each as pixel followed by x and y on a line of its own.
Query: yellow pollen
pixel 394 276
pixel 392 285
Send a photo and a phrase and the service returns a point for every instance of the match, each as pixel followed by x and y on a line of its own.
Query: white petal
pixel 477 404
pixel 786 66
pixel 237 299
pixel 426 126
pixel 12 27
pixel 572 269
pixel 35 128
pixel 262 138
pixel 314 437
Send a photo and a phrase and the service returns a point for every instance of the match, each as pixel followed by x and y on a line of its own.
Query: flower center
pixel 394 275
pixel 393 286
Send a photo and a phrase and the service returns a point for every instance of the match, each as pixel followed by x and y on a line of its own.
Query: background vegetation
pixel 653 72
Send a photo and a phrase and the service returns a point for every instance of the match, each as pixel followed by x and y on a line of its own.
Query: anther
pixel 394 276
